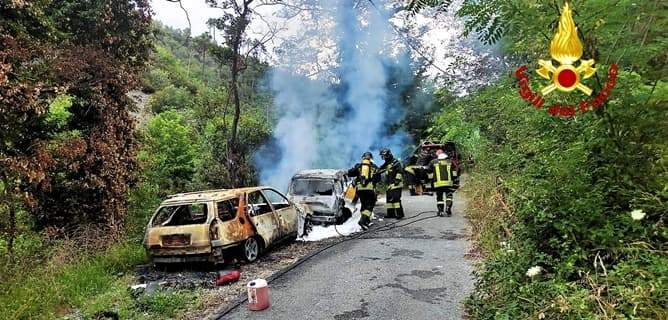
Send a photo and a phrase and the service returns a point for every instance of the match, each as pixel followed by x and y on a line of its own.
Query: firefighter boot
pixel 399 211
pixel 390 213
pixel 449 210
pixel 364 222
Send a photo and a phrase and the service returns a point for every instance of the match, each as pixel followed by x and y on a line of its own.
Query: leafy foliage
pixel 168 153
pixel 585 175
pixel 69 160
pixel 558 193
pixel 632 32
pixel 203 119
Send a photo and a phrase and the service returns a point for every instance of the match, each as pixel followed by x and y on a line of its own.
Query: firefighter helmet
pixel 385 153
pixel 367 155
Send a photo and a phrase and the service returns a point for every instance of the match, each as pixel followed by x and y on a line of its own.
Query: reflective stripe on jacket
pixel 394 175
pixel 444 174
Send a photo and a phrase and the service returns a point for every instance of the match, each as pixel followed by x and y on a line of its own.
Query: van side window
pixel 227 209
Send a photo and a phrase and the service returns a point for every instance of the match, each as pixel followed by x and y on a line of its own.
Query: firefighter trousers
pixel 367 201
pixel 440 204
pixel 393 204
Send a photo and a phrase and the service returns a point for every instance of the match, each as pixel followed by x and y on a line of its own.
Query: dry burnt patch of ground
pixel 201 277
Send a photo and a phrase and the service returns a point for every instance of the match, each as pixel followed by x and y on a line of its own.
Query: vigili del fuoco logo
pixel 567 76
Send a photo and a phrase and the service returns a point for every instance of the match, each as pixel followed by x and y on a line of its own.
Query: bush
pixel 169 154
pixel 558 193
pixel 155 80
pixel 170 98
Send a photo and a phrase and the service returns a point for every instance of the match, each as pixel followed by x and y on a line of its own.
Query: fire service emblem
pixel 567 76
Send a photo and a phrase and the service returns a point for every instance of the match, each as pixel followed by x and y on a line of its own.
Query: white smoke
pixel 330 124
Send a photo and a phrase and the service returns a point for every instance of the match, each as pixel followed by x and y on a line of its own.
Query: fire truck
pixel 418 175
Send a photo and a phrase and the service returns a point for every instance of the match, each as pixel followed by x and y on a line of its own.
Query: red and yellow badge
pixel 566 49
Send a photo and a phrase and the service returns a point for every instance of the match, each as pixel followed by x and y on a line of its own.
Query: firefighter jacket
pixel 365 174
pixel 445 173
pixel 394 172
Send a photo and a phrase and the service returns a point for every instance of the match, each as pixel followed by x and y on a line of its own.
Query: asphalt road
pixel 417 271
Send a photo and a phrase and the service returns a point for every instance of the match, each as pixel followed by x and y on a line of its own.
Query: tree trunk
pixel 232 143
pixel 237 101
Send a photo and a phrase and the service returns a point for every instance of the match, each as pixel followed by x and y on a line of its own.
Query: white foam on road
pixel 347 228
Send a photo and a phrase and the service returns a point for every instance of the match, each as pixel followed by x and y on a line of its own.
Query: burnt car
pixel 211 225
pixel 323 191
pixel 417 171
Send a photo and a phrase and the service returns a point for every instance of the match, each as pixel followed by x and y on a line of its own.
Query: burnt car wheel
pixel 250 249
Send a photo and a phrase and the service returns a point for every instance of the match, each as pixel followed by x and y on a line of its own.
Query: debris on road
pixel 139 286
pixel 202 277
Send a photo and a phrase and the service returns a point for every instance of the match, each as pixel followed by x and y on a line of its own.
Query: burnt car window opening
pixel 180 215
pixel 227 209
pixel 258 204
pixel 312 187
pixel 276 199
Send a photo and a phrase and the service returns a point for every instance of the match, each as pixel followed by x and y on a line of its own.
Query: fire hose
pixel 356 236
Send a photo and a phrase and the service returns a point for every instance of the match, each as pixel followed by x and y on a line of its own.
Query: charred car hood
pixel 317 203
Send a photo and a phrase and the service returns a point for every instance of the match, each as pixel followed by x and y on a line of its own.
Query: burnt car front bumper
pixel 323 217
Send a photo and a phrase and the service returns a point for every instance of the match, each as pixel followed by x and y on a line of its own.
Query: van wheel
pixel 250 250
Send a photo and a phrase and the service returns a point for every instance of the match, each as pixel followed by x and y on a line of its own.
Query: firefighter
pixel 366 177
pixel 446 181
pixel 394 172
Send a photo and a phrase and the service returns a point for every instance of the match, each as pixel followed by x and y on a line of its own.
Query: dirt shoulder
pixel 200 278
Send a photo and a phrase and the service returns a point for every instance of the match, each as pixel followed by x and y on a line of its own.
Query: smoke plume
pixel 329 124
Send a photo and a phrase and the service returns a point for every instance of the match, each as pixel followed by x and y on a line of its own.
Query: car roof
pixel 319 173
pixel 210 195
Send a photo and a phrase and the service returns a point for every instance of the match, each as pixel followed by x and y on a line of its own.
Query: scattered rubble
pixel 203 276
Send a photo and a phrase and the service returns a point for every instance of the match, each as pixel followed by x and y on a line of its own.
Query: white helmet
pixel 442 156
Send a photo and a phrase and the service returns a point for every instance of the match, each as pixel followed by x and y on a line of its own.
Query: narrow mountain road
pixel 414 269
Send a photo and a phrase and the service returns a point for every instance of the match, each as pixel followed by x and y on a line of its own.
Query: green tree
pixel 559 192
pixel 169 154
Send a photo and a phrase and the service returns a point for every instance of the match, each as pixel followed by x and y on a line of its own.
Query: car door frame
pixel 261 224
pixel 284 214
pixel 232 232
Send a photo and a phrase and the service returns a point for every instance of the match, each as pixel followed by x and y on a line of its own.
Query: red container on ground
pixel 232 276
pixel 258 295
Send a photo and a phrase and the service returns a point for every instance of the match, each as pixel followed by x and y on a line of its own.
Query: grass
pixel 488 213
pixel 86 284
